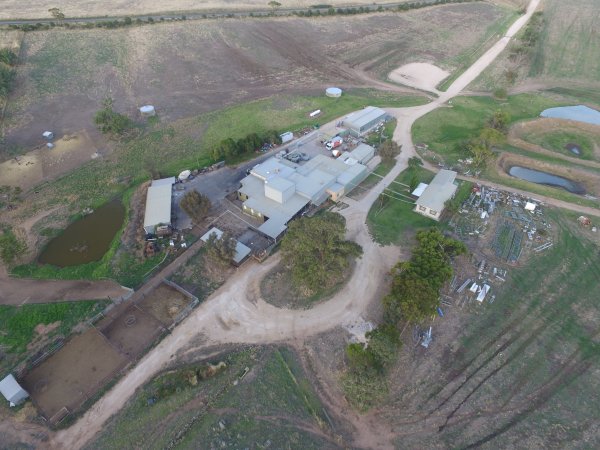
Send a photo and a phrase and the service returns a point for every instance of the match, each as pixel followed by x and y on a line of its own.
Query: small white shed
pixel 12 391
pixel 286 137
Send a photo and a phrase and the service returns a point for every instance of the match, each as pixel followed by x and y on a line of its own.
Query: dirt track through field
pixel 231 317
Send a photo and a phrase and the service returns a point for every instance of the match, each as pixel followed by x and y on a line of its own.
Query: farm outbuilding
pixel 432 201
pixel 242 252
pixel 286 137
pixel 361 122
pixel 363 153
pixel 158 204
pixel 12 390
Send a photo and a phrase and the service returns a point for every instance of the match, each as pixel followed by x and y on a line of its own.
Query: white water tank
pixel 333 92
pixel 147 111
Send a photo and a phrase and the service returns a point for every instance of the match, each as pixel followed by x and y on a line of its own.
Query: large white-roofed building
pixel 432 200
pixel 361 122
pixel 158 204
pixel 276 191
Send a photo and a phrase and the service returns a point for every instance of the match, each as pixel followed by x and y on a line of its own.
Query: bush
pixel 195 205
pixel 11 247
pixel 111 122
pixel 8 57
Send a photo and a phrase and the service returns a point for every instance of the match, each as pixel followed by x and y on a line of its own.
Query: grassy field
pixel 393 221
pixel 445 129
pixel 272 405
pixel 565 54
pixel 469 56
pixel 545 374
pixel 557 141
pixel 18 325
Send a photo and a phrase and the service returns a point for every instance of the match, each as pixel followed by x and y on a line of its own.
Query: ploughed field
pixel 189 67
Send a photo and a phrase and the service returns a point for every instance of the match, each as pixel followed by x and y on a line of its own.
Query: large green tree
pixel 316 251
pixel 195 205
pixel 220 250
pixel 416 283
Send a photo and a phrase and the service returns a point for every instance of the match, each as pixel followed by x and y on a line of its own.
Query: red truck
pixel 334 143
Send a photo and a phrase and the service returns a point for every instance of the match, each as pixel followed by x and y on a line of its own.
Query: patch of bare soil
pixel 423 76
pixel 165 303
pixel 44 164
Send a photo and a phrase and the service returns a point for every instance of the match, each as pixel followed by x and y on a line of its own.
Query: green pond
pixel 86 239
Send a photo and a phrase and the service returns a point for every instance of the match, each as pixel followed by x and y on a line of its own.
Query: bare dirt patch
pixel 44 164
pixel 164 303
pixel 132 331
pixel 423 76
pixel 71 376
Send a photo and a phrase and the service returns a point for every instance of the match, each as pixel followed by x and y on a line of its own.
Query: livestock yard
pixel 75 373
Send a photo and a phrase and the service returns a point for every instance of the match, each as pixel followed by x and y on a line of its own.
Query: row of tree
pixel 413 297
pixel 416 283
pixel 491 135
pixel 229 148
pixel 316 9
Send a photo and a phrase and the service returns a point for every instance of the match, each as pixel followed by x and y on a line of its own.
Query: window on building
pixel 422 208
pixel 433 213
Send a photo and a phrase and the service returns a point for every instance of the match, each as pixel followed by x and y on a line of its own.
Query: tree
pixel 195 205
pixel 389 150
pixel 414 162
pixel 315 250
pixel 57 14
pixel 274 5
pixel 220 250
pixel 384 343
pixel 500 120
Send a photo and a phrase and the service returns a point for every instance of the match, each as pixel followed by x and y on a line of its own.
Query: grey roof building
pixel 434 197
pixel 241 251
pixel 361 122
pixel 158 204
pixel 277 190
pixel 12 390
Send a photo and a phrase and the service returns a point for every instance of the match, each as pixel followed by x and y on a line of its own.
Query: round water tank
pixel 147 111
pixel 333 92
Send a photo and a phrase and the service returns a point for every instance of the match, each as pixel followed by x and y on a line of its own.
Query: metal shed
pixel 12 390
pixel 361 122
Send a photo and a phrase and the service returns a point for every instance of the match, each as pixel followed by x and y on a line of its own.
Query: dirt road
pixel 237 314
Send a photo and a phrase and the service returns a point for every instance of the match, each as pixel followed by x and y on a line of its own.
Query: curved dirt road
pixel 236 314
